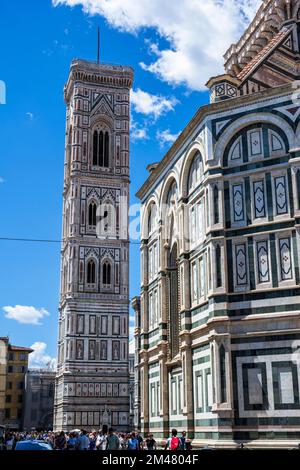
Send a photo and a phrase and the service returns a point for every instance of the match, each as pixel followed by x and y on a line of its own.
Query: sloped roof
pixel 263 53
pixel 19 348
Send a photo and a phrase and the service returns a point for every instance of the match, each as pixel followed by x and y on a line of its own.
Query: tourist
pixel 133 443
pixel 123 441
pixel 60 442
pixel 101 441
pixel 113 442
pixel 150 442
pixel 173 442
pixel 9 442
pixel 93 440
pixel 83 441
pixel 72 441
pixel 140 439
pixel 183 441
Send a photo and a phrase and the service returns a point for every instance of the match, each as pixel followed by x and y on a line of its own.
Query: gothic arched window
pixel 81 270
pixel 195 173
pixel 152 219
pixel 223 374
pixel 101 148
pixel 107 218
pixel 173 294
pixel 91 272
pixel 298 186
pixel 218 267
pixel 92 214
pixel 100 160
pixel 95 148
pixel 172 194
pixel 106 150
pixel 106 273
pixel 216 205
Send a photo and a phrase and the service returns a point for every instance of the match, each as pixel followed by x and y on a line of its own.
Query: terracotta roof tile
pixel 263 53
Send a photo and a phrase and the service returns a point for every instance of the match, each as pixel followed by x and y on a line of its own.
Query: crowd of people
pixel 106 439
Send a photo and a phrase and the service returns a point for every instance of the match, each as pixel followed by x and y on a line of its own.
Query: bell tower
pixel 92 383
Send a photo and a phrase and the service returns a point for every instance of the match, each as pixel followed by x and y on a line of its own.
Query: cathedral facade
pixel 220 300
pixel 92 383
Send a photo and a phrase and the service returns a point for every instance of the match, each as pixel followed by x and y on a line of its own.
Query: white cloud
pixel 137 132
pixel 38 359
pixel 25 314
pixel 154 105
pixel 198 32
pixel 166 137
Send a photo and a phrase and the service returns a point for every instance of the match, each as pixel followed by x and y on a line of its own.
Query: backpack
pixel 175 441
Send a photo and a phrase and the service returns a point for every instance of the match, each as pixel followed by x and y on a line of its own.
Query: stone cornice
pixel 98 74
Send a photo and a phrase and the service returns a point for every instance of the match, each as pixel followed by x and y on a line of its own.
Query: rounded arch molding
pixel 102 118
pixel 173 175
pixel 239 124
pixel 169 217
pixel 185 170
pixel 146 214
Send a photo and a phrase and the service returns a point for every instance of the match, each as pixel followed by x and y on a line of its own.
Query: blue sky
pixel 37 46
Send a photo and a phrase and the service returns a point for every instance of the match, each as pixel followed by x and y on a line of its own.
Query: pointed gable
pixel 102 105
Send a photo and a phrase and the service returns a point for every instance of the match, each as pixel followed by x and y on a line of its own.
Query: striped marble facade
pixel 219 344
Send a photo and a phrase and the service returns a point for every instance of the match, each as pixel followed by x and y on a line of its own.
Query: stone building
pixel 220 250
pixel 131 359
pixel 39 399
pixel 13 368
pixel 92 384
pixel 3 372
pixel 136 305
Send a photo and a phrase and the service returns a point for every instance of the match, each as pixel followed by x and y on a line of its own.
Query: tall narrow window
pixel 81 271
pixel 106 150
pixel 223 374
pixel 216 205
pixel 100 159
pixel 174 302
pixel 95 148
pixel 194 281
pixel 106 273
pixel 195 174
pixel 70 136
pixel 91 272
pixel 298 186
pixel 152 219
pixel 207 208
pixel 117 217
pixel 193 225
pixel 92 214
pixel 209 268
pixel 218 266
pixel 117 274
pixel 101 148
